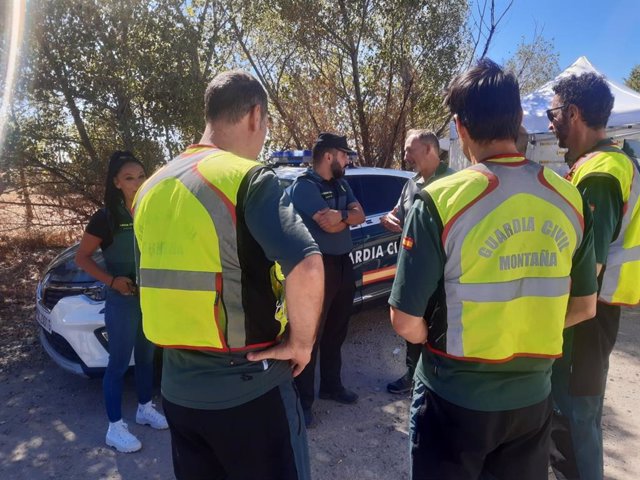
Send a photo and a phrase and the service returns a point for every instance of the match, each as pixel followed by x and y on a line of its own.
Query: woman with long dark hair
pixel 111 229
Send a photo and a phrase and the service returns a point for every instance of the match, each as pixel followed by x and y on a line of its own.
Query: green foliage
pixel 369 69
pixel 105 75
pixel 100 75
pixel 634 79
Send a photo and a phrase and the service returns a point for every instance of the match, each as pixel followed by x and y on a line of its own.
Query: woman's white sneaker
pixel 147 415
pixel 119 437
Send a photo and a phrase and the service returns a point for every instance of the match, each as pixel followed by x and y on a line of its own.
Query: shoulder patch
pixel 407 243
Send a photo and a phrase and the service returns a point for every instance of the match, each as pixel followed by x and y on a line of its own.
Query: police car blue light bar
pixel 291 157
pixel 296 157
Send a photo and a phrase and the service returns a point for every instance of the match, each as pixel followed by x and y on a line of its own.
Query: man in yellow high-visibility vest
pixel 496 260
pixel 209 226
pixel 608 180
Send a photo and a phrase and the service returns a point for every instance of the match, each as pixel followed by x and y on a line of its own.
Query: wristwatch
pixel 345 215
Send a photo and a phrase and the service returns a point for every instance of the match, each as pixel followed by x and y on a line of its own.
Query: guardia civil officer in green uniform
pixel 209 227
pixel 608 180
pixel 328 208
pixel 498 258
pixel 422 151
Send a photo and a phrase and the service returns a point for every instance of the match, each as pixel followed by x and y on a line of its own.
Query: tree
pixel 106 75
pixel 534 63
pixel 362 67
pixel 634 79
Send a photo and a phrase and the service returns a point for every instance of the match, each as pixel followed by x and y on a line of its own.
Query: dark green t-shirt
pixel 115 229
pixel 211 381
pixel 418 290
pixel 604 197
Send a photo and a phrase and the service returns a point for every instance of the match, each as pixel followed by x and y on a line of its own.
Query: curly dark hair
pixel 486 101
pixel 590 93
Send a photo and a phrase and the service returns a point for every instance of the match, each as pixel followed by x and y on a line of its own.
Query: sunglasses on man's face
pixel 551 116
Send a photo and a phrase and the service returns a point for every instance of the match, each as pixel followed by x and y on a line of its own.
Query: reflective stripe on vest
pixel 621 280
pixel 191 291
pixel 510 232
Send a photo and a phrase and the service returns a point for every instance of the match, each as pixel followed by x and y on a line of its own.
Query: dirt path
pixel 52 424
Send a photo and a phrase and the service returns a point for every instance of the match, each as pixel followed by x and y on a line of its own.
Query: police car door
pixel 375 249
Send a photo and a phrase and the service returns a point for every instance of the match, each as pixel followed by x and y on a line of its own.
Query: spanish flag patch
pixel 407 243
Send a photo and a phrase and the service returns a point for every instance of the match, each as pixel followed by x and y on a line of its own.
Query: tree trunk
pixel 63 83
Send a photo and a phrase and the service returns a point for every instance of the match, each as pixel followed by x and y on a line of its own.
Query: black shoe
pixel 308 418
pixel 341 396
pixel 402 385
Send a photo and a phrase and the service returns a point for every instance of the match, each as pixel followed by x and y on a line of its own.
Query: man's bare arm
pixel 391 222
pixel 355 214
pixel 580 309
pixel 329 220
pixel 304 293
pixel 412 329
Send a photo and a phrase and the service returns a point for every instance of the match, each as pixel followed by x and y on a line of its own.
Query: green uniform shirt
pixel 211 381
pixel 115 229
pixel 418 290
pixel 413 187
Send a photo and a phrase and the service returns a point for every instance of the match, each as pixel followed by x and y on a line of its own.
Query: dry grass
pixel 22 263
pixel 25 250
pixel 45 223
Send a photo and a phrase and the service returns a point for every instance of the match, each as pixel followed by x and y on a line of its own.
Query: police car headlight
pixel 63 278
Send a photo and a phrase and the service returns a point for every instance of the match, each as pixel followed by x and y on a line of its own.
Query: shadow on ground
pixel 53 425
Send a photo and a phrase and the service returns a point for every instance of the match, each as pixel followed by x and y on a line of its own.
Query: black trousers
pixel 262 439
pixel 339 287
pixel 455 443
pixel 578 386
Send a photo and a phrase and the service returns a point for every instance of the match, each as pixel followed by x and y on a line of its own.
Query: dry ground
pixel 52 423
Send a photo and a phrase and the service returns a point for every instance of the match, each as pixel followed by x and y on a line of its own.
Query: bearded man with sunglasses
pixel 608 181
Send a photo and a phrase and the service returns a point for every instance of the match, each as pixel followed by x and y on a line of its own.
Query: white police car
pixel 70 303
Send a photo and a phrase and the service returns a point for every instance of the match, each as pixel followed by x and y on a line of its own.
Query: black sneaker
pixel 402 385
pixel 308 418
pixel 341 396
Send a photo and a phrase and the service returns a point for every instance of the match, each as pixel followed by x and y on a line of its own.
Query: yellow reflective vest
pixel 203 279
pixel 621 279
pixel 510 229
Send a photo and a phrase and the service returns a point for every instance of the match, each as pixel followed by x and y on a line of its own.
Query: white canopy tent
pixel 624 121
